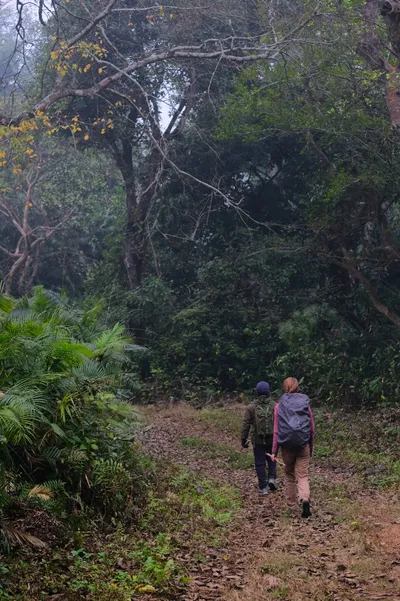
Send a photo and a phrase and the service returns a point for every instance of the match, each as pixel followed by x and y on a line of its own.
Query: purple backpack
pixel 294 424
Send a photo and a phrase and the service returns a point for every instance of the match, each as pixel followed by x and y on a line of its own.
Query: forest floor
pixel 349 550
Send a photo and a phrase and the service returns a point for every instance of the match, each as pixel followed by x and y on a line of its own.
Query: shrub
pixel 63 420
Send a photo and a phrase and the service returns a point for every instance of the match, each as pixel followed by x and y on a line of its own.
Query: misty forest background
pixel 241 220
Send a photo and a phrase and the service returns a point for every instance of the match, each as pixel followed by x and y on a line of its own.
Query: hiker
pixel 294 434
pixel 259 418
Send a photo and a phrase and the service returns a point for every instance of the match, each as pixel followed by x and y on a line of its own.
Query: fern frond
pixel 6 304
pixel 111 345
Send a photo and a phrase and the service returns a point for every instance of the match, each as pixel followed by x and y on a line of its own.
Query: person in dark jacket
pixel 293 432
pixel 258 418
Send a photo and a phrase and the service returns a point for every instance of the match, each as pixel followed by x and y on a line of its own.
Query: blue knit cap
pixel 263 389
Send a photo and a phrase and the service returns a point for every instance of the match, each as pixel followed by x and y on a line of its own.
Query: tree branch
pixel 223 50
pixel 351 268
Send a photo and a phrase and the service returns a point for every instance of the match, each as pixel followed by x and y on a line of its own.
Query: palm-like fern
pixel 56 363
pixel 21 412
pixel 111 346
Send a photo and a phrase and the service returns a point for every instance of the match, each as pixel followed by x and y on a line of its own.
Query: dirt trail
pixel 348 551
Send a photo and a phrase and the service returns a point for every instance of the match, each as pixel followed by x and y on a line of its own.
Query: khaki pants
pixel 296 470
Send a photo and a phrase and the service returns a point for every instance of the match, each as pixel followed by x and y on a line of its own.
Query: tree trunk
pixel 372 49
pixel 133 248
pixel 9 281
pixel 137 209
pixel 134 243
pixel 393 96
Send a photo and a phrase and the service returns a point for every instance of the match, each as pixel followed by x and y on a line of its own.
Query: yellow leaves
pixel 110 124
pixel 86 137
pixel 101 70
pixel 28 125
pixel 75 119
pixel 62 56
pixel 103 131
pixel 62 69
pixel 17 149
pixel 87 49
pixel 130 24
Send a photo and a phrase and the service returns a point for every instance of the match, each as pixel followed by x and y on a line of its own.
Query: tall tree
pixel 117 62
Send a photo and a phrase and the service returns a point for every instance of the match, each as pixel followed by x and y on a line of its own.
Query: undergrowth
pixel 128 563
pixel 224 418
pixel 365 442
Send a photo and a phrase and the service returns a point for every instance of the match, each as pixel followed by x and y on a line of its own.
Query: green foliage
pixel 250 279
pixel 64 427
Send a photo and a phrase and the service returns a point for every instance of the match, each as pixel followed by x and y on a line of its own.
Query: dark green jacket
pixel 248 425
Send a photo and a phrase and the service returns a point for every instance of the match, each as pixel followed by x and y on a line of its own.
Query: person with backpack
pixel 294 433
pixel 259 418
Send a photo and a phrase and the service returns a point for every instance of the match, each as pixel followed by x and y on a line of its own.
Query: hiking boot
pixel 306 513
pixel 272 484
pixel 264 491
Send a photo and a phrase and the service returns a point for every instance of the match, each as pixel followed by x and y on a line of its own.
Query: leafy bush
pixel 336 364
pixel 65 430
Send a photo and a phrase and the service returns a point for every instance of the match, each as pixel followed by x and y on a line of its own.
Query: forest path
pixel 348 551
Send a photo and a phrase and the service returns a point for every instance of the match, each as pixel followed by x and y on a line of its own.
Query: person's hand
pixel 245 445
pixel 273 457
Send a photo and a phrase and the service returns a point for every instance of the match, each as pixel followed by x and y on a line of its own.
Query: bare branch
pixel 230 50
pixel 84 32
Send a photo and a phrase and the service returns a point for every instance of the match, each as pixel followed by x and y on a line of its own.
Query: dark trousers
pixel 260 460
